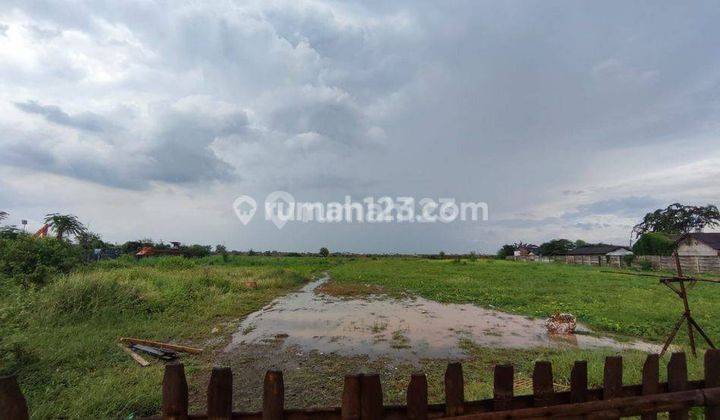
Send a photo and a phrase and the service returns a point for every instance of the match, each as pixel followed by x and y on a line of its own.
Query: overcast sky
pixel 147 119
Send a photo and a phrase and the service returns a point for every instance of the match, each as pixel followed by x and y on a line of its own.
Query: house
pixel 699 245
pixel 598 255
pixel 527 250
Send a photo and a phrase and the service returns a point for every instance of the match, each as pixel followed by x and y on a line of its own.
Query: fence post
pixel 454 390
pixel 712 380
pixel 371 397
pixel 578 382
pixel 417 398
pixel 351 398
pixel 612 378
pixel 219 394
pixel 12 401
pixel 503 379
pixel 174 393
pixel 543 391
pixel 651 380
pixel 677 381
pixel 273 396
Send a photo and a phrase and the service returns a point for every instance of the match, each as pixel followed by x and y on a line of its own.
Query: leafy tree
pixel 324 252
pixel 506 251
pixel 678 219
pixel 580 243
pixel 556 247
pixel 195 251
pixel 132 247
pixel 441 255
pixel 90 240
pixel 222 250
pixel 29 260
pixel 3 215
pixel 64 224
pixel 654 243
pixel 10 232
pixel 252 253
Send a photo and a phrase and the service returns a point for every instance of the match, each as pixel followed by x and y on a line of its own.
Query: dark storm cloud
pixel 537 108
pixel 84 121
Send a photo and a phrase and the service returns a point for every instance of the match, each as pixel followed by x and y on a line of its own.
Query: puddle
pixel 404 329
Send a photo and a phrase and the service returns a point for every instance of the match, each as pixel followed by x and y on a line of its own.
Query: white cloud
pixel 512 104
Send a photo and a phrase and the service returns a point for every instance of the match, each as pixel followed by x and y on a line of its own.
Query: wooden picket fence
pixel 362 395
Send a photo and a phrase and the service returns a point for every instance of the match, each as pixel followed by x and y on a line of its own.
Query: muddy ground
pixel 318 335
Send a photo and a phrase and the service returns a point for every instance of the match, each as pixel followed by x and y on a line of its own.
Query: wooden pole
pixel 677 381
pixel 503 381
pixel 12 402
pixel 543 391
pixel 219 394
pixel 351 398
pixel 371 397
pixel 417 398
pixel 579 381
pixel 454 390
pixel 651 380
pixel 174 393
pixel 273 396
pixel 712 379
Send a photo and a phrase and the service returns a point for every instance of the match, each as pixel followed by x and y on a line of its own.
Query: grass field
pixel 626 304
pixel 61 339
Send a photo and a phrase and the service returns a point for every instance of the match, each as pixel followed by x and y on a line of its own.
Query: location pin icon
pixel 244 207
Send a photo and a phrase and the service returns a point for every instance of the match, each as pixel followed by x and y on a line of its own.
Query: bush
pixel 654 243
pixel 29 260
pixel 645 265
pixel 195 251
pixel 324 252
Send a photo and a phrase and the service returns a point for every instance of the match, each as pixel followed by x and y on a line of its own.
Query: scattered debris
pixel 166 355
pixel 141 361
pixel 161 345
pixel 561 323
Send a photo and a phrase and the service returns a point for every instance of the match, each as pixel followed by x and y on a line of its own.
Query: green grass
pixel 62 339
pixel 626 304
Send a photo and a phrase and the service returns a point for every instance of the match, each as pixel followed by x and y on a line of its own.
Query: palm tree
pixel 64 224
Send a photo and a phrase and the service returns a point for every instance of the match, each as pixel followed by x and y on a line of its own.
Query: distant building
pixel 527 250
pixel 699 245
pixel 610 255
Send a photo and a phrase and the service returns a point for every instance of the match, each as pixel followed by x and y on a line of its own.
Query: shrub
pixel 195 251
pixel 654 243
pixel 29 260
pixel 645 265
pixel 324 252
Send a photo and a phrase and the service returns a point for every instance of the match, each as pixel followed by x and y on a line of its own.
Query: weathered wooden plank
pixel 503 379
pixel 612 378
pixel 273 395
pixel 219 394
pixel 159 344
pixel 351 398
pixel 578 381
pixel 371 397
pixel 454 390
pixel 174 393
pixel 712 379
pixel 12 401
pixel 616 407
pixel 677 381
pixel 417 397
pixel 543 392
pixel 651 380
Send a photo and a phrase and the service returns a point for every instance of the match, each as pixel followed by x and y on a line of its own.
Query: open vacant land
pixel 61 338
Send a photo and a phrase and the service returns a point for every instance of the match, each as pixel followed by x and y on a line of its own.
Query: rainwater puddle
pixel 404 329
